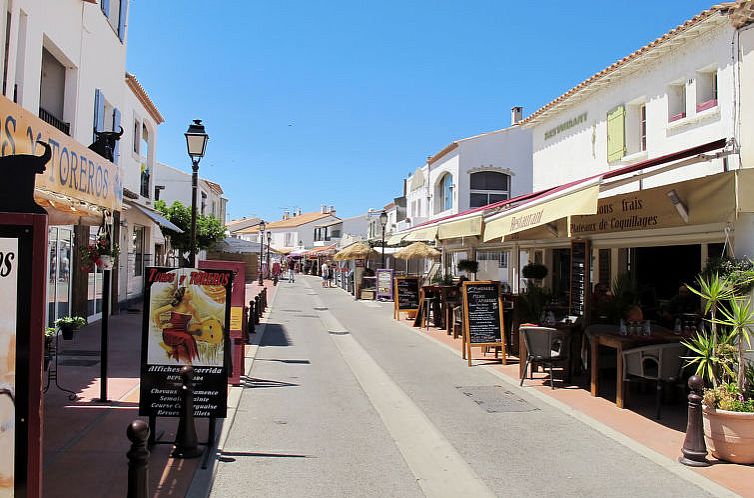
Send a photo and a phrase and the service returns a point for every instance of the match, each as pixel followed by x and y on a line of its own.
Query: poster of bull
pixel 186 322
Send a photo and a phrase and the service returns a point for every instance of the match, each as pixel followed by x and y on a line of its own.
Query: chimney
pixel 323 208
pixel 332 210
pixel 298 211
pixel 286 214
pixel 516 114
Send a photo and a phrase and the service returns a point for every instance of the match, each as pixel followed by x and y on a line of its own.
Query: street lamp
pixel 196 143
pixel 269 241
pixel 383 223
pixel 262 226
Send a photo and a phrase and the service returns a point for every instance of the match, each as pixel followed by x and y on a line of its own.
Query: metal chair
pixel 547 346
pixel 662 363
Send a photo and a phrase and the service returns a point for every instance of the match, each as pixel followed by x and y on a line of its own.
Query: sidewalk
pixel 84 441
pixel 660 441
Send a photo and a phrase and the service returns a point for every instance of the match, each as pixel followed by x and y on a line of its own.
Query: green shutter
pixel 616 133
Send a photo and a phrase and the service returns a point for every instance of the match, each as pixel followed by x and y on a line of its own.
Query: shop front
pixel 81 191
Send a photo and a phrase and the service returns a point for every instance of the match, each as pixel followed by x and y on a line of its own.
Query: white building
pixel 172 184
pixel 295 231
pixel 63 67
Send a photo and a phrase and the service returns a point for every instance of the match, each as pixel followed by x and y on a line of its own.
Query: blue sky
pixel 334 102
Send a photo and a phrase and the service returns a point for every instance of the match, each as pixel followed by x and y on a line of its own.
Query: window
pixel 115 12
pixel 52 92
pixel 706 90
pixel 488 187
pixel 144 185
pixel 636 127
pixel 616 133
pixel 137 135
pixel 444 193
pixel 288 239
pixel 676 101
pixel 106 118
pixel 204 204
pixel 138 243
pixel 144 148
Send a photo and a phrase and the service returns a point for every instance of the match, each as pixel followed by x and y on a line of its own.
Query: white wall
pixel 177 185
pixel 581 151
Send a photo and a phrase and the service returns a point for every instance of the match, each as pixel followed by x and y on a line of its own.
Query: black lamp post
pixel 383 223
pixel 269 241
pixel 262 226
pixel 196 143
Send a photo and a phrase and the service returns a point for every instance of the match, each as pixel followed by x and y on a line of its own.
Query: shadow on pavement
pixel 274 335
pixel 252 383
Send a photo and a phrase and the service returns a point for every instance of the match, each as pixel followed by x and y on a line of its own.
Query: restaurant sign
pixel 706 200
pixel 74 170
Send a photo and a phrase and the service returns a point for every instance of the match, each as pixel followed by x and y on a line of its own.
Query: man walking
pixel 291 273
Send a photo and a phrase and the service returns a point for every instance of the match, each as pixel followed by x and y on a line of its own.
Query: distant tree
pixel 208 228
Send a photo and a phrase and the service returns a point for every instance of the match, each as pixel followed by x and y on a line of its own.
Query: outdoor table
pixel 609 336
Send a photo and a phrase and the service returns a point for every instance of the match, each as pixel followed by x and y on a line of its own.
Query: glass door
pixel 94 287
pixel 59 243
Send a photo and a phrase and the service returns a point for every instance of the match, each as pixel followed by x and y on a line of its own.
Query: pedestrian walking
pixel 323 272
pixel 330 274
pixel 291 271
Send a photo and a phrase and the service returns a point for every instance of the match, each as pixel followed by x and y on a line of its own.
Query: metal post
pixel 186 442
pixel 694 450
pixel 383 247
pixel 194 188
pixel 104 336
pixel 258 306
pixel 138 459
pixel 261 255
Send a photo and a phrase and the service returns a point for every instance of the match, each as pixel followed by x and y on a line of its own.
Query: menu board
pixel 483 315
pixel 384 284
pixel 406 294
pixel 579 291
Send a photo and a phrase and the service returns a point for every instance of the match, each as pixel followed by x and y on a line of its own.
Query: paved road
pixel 344 401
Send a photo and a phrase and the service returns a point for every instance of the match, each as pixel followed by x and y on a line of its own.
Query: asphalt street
pixel 344 401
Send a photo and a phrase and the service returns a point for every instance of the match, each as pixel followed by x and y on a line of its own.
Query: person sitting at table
pixel 685 302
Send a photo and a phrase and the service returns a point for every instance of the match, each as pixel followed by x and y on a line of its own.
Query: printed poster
pixel 186 322
pixel 8 312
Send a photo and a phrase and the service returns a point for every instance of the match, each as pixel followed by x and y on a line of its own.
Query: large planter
pixel 729 435
pixel 67 333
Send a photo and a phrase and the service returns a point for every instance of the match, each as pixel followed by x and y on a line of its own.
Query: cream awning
pixel 579 199
pixel 466 227
pixel 395 239
pixel 428 233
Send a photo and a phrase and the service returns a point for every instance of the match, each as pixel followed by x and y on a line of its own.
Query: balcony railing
pixel 48 118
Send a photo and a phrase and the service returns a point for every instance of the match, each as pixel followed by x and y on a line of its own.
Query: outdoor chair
pixel 546 346
pixel 661 363
pixel 457 321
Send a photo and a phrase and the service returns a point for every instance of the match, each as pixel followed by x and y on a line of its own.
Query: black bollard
pixel 138 459
pixel 694 450
pixel 251 328
pixel 258 302
pixel 186 442
pixel 263 295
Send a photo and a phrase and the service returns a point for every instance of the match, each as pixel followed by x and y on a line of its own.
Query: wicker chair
pixel 661 363
pixel 546 346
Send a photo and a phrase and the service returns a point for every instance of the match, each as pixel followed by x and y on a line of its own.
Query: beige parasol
pixel 418 250
pixel 357 250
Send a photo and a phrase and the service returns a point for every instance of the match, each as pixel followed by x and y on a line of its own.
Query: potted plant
pixel 68 324
pixel 49 337
pixel 101 254
pixel 468 266
pixel 534 271
pixel 719 357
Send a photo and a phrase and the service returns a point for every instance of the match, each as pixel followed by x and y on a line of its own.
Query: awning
pixel 154 216
pixel 395 239
pixel 465 227
pixel 576 199
pixel 428 233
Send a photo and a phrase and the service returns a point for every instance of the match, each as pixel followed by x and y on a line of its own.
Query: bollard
pixel 258 302
pixel 252 318
pixel 186 442
pixel 263 296
pixel 694 450
pixel 138 459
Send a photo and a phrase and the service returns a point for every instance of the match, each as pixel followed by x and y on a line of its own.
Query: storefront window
pixel 457 256
pixel 138 244
pixel 493 265
pixel 94 287
pixel 59 273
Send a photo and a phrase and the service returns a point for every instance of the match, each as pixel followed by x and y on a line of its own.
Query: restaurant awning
pixel 395 239
pixel 427 233
pixel 465 227
pixel 154 216
pixel 576 199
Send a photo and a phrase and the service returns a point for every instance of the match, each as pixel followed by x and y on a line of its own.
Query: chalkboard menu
pixel 406 294
pixel 385 284
pixel 579 292
pixel 483 315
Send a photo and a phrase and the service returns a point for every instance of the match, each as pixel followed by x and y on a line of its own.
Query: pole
pixel 261 255
pixel 104 336
pixel 194 188
pixel 383 246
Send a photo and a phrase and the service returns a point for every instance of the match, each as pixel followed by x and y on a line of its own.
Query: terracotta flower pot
pixel 729 435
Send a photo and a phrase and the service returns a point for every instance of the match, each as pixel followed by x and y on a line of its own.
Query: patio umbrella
pixel 358 250
pixel 418 250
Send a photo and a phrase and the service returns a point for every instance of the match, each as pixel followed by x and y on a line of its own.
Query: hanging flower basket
pixel 68 324
pixel 101 254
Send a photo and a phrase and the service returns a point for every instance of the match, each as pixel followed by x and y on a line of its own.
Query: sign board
pixel 385 284
pixel 406 295
pixel 8 366
pixel 73 170
pixel 186 319
pixel 483 321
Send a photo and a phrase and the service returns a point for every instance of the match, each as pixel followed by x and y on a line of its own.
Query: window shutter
pixel 116 127
pixel 122 8
pixel 105 5
pixel 616 133
pixel 99 112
